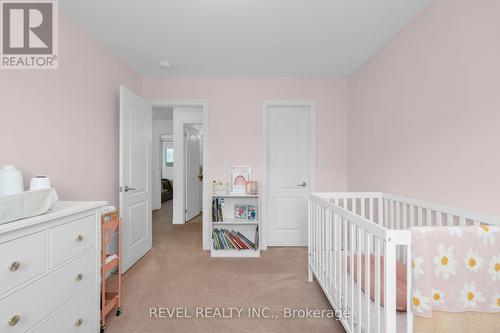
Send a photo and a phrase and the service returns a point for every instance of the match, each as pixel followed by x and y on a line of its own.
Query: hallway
pixel 177 273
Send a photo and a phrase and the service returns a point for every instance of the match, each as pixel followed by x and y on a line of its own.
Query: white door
pixel 289 173
pixel 192 137
pixel 135 176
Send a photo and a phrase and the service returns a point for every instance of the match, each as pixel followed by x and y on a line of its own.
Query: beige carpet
pixel 177 273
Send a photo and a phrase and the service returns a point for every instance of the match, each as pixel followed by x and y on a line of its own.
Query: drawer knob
pixel 78 322
pixel 79 238
pixel 14 320
pixel 79 277
pixel 14 266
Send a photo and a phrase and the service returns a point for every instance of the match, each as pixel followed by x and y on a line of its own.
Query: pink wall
pixel 239 101
pixel 424 113
pixel 64 123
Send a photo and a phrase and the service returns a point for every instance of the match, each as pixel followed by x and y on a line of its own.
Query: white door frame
pixel 206 183
pixel 264 182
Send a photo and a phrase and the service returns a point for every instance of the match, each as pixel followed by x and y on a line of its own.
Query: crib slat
pixel 323 244
pixel 405 216
pixel 371 210
pixel 391 210
pixel 336 256
pixel 398 226
pixel 363 207
pixel 380 211
pixel 358 275
pixel 461 221
pixel 412 215
pixel 345 249
pixel 390 286
pixel 329 247
pixel 352 274
pixel 325 247
pixel 398 216
pixel 386 213
pixel 317 240
pixel 367 280
pixel 428 218
pixel 313 233
pixel 409 310
pixel 449 219
pixel 377 282
pixel 336 253
pixel 419 216
pixel 439 221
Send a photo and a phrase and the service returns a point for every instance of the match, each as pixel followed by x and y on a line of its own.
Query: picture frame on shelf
pixel 240 212
pixel 252 213
pixel 238 177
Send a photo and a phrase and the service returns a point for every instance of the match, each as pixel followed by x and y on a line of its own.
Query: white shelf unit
pixel 247 228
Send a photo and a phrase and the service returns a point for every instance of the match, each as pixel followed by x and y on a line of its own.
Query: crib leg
pixel 309 274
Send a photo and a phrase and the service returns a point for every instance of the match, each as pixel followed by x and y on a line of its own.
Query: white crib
pixel 345 226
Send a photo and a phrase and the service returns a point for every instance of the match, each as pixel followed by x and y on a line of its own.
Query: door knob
pixel 126 189
pixel 304 184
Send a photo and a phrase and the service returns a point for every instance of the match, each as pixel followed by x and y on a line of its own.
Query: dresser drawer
pixel 21 260
pixel 30 305
pixel 71 239
pixel 78 316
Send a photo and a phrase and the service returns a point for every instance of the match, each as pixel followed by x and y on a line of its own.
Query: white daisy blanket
pixel 456 269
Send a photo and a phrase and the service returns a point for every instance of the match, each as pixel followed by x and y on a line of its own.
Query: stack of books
pixel 217 209
pixel 224 239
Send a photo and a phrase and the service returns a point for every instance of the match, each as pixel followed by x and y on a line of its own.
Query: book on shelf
pixel 224 239
pixel 257 237
pixel 217 209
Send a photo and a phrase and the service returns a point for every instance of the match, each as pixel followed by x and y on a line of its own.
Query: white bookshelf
pixel 230 222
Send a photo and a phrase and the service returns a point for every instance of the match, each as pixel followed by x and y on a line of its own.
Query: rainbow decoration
pixel 240 180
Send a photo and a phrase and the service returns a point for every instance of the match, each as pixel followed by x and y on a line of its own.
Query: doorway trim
pixel 311 104
pixel 206 183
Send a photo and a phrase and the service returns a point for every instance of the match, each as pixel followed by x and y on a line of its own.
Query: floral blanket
pixel 456 269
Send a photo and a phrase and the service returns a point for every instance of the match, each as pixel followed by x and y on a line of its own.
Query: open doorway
pixel 189 163
pixel 178 136
pixel 163 163
pixel 141 154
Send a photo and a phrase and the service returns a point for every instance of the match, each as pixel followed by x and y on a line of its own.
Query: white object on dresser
pixel 39 182
pixel 50 271
pixel 11 180
pixel 26 204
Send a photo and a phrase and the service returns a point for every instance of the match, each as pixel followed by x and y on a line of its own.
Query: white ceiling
pixel 244 37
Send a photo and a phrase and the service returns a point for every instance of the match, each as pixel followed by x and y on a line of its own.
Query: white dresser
pixel 50 271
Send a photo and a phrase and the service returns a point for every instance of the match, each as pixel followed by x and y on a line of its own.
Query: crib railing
pixel 345 228
pixel 340 237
